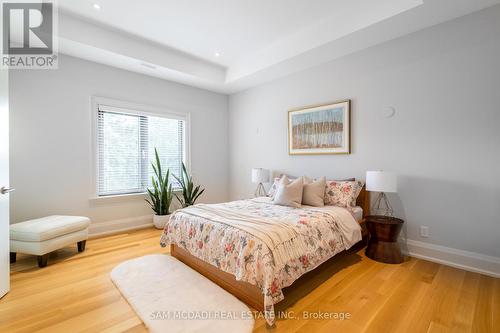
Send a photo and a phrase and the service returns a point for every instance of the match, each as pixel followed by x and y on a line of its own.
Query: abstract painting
pixel 321 129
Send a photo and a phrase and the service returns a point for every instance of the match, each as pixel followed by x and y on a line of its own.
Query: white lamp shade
pixel 381 181
pixel 260 175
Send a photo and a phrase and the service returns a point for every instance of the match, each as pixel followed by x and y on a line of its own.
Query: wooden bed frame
pixel 245 291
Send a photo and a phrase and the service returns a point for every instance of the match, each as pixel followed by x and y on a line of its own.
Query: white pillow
pixel 274 187
pixel 289 193
pixel 313 193
pixel 276 182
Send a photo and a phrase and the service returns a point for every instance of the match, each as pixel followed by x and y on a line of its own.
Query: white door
pixel 4 182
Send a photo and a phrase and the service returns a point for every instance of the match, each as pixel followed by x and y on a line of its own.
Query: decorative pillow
pixel 274 187
pixel 289 193
pixel 328 181
pixel 342 193
pixel 313 193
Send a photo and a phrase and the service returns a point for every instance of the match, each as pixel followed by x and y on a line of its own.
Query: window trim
pixel 135 109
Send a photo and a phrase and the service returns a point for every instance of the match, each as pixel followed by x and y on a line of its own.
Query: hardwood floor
pixel 75 294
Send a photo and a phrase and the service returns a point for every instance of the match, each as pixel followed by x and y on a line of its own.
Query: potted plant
pixel 190 193
pixel 161 194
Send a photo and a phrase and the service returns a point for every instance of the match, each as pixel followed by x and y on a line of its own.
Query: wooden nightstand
pixel 383 242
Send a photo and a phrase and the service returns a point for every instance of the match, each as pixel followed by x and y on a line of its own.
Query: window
pixel 126 140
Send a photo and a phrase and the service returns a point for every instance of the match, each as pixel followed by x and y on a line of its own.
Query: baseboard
pixel 466 260
pixel 100 229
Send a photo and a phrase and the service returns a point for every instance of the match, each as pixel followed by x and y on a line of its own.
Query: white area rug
pixel 171 297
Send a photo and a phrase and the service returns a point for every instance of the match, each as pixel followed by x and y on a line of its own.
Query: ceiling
pixel 201 28
pixel 231 45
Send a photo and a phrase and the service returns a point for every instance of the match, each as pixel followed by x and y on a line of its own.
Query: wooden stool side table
pixel 383 242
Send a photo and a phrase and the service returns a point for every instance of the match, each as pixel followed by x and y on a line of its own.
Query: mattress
pixel 357 212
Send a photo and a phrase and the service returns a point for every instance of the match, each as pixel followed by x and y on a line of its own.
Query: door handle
pixel 5 190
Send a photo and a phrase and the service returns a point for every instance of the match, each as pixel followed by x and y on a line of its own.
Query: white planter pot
pixel 160 221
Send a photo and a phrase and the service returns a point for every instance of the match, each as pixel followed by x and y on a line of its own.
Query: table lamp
pixel 382 182
pixel 260 176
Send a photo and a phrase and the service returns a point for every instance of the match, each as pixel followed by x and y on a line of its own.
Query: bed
pixel 231 244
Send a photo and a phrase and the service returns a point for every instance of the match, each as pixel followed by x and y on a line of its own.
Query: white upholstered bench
pixel 41 236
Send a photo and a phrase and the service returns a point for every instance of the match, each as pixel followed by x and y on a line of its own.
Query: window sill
pixel 122 197
pixel 118 198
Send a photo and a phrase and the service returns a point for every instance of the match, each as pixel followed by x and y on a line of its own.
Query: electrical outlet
pixel 424 231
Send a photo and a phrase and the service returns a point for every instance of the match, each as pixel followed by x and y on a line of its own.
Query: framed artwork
pixel 323 129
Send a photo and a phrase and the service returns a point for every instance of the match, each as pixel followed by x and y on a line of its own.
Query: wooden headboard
pixel 363 201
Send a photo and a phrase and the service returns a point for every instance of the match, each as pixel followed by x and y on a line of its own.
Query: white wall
pixel 444 141
pixel 51 137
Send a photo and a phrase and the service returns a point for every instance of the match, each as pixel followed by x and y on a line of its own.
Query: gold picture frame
pixel 320 129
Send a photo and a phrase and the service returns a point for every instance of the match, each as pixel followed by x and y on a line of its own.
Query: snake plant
pixel 190 193
pixel 161 194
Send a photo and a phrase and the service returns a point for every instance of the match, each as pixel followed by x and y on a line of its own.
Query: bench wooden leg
pixel 42 260
pixel 13 257
pixel 81 245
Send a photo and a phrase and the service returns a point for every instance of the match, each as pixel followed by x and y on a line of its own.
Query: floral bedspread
pixel 326 230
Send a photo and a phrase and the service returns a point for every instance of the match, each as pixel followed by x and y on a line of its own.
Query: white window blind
pixel 126 140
